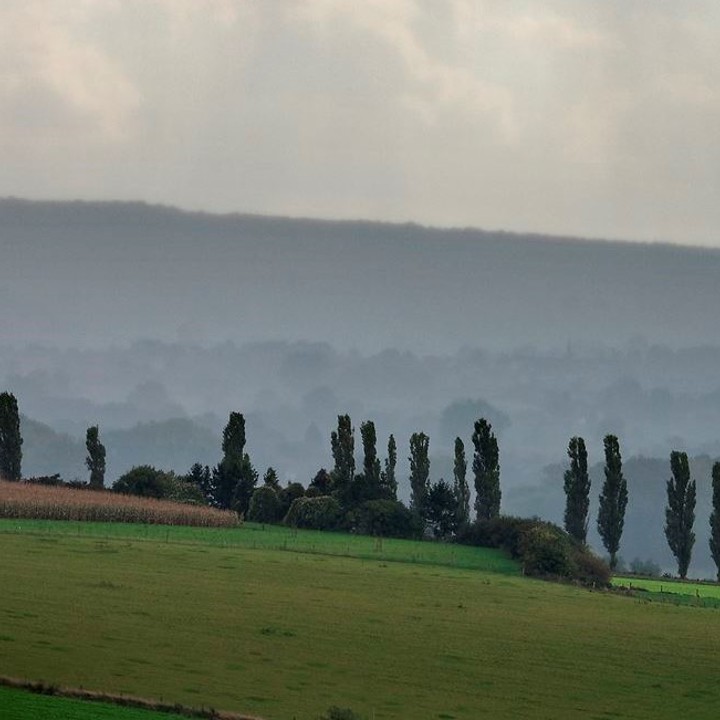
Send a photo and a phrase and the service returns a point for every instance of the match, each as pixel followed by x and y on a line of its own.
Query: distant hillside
pixel 97 273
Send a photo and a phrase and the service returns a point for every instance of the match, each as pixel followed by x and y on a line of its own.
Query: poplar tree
pixel 715 518
pixel 460 485
pixel 613 500
pixel 342 443
pixel 234 478
pixel 10 439
pixel 486 468
pixel 389 482
pixel 371 463
pixel 680 511
pixel 577 490
pixel 95 459
pixel 419 471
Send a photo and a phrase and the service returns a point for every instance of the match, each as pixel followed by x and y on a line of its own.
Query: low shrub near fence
pixel 43 502
pixel 544 549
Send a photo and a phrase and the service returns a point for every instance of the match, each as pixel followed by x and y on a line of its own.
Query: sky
pixel 596 118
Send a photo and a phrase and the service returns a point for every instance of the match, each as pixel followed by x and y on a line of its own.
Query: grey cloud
pixel 594 118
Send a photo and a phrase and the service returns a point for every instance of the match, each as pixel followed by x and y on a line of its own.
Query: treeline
pixel 366 501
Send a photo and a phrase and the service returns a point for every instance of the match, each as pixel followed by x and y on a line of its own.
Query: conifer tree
pixel 441 509
pixel 613 500
pixel 460 485
pixel 715 517
pixel 419 471
pixel 10 439
pixel 486 468
pixel 271 478
pixel 95 459
pixel 680 511
pixel 577 490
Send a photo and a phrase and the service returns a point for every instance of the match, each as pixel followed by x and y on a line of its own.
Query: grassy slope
pixel 272 537
pixel 21 705
pixel 285 635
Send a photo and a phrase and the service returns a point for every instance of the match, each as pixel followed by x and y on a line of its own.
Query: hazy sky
pixel 595 117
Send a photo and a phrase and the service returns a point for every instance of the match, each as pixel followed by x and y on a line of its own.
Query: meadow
pixel 682 592
pixel 218 618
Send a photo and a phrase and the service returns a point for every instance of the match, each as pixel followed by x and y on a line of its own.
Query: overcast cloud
pixel 594 118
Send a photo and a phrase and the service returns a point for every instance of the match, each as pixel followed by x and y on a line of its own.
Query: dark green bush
pixel 288 495
pixel 317 513
pixel 504 532
pixel 184 492
pixel 589 569
pixel 264 505
pixel 146 481
pixel 385 518
pixel 544 549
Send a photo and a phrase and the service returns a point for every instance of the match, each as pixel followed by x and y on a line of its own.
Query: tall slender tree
pixel 342 443
pixel 233 442
pixel 577 490
pixel 460 485
pixel 10 438
pixel 234 478
pixel 486 468
pixel 95 459
pixel 389 482
pixel 419 471
pixel 613 500
pixel 371 464
pixel 715 518
pixel 680 511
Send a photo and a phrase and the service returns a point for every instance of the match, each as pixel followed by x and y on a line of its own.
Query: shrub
pixel 589 569
pixel 264 505
pixel 318 513
pixel 145 481
pixel 288 495
pixel 184 492
pixel 504 532
pixel 546 550
pixel 386 518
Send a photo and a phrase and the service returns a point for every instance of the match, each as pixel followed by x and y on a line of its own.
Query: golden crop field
pixel 43 502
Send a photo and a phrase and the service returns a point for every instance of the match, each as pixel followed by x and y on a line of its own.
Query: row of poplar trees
pixel 445 506
pixel 679 511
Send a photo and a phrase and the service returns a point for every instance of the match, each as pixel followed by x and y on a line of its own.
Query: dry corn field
pixel 42 502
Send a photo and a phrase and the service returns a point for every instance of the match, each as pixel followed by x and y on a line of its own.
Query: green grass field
pixel 231 622
pixel 23 705
pixel 273 537
pixel 682 592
